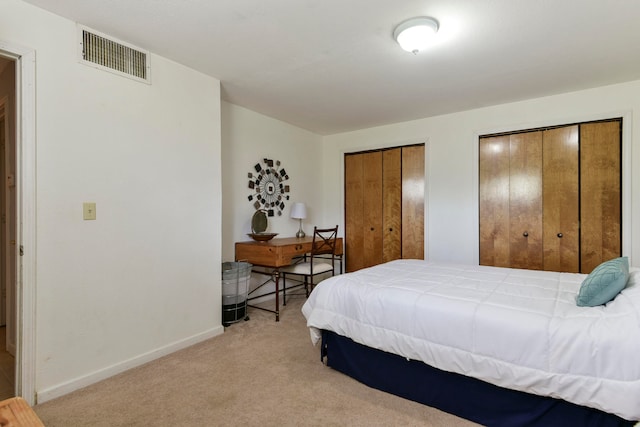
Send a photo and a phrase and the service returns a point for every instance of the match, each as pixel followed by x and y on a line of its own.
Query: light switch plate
pixel 89 210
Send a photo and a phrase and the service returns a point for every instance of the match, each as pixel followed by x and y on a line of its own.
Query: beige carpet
pixel 258 372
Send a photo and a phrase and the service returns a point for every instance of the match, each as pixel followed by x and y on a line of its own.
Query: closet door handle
pixel 525 234
pixel 560 235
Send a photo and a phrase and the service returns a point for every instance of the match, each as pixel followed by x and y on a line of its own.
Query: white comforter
pixel 519 329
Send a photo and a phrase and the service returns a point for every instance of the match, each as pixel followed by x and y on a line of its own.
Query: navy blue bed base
pixel 463 396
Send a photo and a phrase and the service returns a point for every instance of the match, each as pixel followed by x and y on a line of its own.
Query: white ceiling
pixel 332 65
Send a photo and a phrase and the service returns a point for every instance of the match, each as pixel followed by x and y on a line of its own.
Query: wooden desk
pixel 277 253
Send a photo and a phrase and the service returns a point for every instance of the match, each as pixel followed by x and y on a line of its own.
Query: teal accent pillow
pixel 604 283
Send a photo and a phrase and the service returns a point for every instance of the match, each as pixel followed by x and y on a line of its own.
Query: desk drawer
pixel 297 249
pixel 258 255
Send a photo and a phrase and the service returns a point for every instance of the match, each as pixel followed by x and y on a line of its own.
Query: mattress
pixel 519 329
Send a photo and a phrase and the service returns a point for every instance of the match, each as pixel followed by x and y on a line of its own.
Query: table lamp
pixel 299 212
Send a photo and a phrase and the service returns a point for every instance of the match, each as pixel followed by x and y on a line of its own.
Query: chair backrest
pixel 324 241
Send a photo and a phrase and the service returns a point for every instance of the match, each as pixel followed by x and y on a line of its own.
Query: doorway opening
pixel 8 229
pixel 18 100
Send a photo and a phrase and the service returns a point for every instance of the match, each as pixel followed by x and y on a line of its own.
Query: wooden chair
pixel 320 260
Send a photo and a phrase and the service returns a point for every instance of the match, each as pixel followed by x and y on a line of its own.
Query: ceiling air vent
pixel 105 52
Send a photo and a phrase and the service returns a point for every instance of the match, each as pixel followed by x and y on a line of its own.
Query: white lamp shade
pixel 415 34
pixel 298 211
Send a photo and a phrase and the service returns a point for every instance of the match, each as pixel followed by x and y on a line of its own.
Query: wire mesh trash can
pixel 235 289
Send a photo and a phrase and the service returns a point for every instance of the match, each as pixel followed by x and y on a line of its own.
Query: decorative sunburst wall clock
pixel 270 191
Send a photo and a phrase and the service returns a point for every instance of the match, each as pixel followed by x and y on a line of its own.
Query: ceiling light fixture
pixel 415 34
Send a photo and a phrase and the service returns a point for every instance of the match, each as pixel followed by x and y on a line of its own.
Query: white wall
pixel 144 278
pixel 451 214
pixel 247 138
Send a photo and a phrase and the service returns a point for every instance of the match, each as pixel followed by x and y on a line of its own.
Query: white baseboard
pixel 102 374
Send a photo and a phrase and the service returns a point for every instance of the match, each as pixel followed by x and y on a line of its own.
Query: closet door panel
pixel 494 201
pixel 525 200
pixel 413 202
pixel 384 206
pixel 372 215
pixel 600 201
pixel 560 195
pixel 354 207
pixel 392 204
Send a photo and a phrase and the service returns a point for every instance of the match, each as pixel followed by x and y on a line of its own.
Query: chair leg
pixel 284 289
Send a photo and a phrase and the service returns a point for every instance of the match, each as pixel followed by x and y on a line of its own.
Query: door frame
pixel 25 129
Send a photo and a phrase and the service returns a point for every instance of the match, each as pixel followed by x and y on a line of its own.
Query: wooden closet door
pixel 392 204
pixel 363 210
pixel 372 215
pixel 494 201
pixel 354 208
pixel 413 202
pixel 560 195
pixel 525 200
pixel 600 193
pixel 384 206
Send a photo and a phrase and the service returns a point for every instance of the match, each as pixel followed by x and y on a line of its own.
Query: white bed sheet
pixel 519 329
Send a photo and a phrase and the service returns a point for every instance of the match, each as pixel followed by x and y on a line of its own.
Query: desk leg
pixel 276 280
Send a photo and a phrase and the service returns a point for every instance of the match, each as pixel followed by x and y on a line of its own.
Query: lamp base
pixel 300 233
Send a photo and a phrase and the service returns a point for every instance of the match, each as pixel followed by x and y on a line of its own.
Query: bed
pixel 498 346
